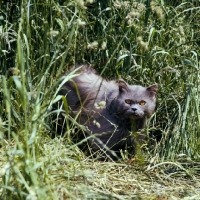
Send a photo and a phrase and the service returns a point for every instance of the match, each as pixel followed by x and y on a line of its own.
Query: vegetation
pixel 141 41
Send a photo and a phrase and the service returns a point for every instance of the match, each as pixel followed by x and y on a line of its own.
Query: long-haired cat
pixel 108 110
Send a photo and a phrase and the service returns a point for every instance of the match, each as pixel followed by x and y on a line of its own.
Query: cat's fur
pixel 103 108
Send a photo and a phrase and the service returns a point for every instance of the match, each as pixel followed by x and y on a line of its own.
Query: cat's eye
pixel 128 101
pixel 142 103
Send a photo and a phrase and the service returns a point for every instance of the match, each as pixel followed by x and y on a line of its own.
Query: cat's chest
pixel 107 122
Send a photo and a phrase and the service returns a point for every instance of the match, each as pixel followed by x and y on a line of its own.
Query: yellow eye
pixel 142 103
pixel 128 101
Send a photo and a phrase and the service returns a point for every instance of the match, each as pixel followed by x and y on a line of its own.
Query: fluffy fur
pixel 108 109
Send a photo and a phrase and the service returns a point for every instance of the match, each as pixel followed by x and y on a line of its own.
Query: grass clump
pixel 141 41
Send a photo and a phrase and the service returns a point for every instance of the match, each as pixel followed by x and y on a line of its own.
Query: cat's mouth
pixel 135 116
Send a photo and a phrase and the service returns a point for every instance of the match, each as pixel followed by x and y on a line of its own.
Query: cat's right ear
pixel 153 89
pixel 122 85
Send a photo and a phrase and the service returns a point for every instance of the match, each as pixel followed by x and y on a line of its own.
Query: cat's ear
pixel 153 89
pixel 122 85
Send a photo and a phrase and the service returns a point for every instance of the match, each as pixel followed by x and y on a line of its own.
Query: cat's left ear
pixel 153 89
pixel 122 85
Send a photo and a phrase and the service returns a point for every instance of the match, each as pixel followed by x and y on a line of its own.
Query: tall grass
pixel 142 42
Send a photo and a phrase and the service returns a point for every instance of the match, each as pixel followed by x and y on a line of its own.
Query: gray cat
pixel 110 110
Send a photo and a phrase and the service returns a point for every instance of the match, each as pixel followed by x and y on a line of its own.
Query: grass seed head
pixel 81 23
pixel 93 45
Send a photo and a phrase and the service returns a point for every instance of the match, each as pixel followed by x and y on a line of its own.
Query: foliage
pixel 141 41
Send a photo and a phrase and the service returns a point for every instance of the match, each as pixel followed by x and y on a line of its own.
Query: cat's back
pixel 87 76
pixel 88 86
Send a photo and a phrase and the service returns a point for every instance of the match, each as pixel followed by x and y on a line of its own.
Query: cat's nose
pixel 134 109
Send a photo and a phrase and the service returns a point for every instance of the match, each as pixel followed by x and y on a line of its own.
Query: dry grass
pixel 68 174
pixel 131 179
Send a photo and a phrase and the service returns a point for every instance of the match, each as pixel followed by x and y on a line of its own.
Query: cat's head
pixel 135 101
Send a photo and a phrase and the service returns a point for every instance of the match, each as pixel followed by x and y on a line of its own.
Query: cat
pixel 108 110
